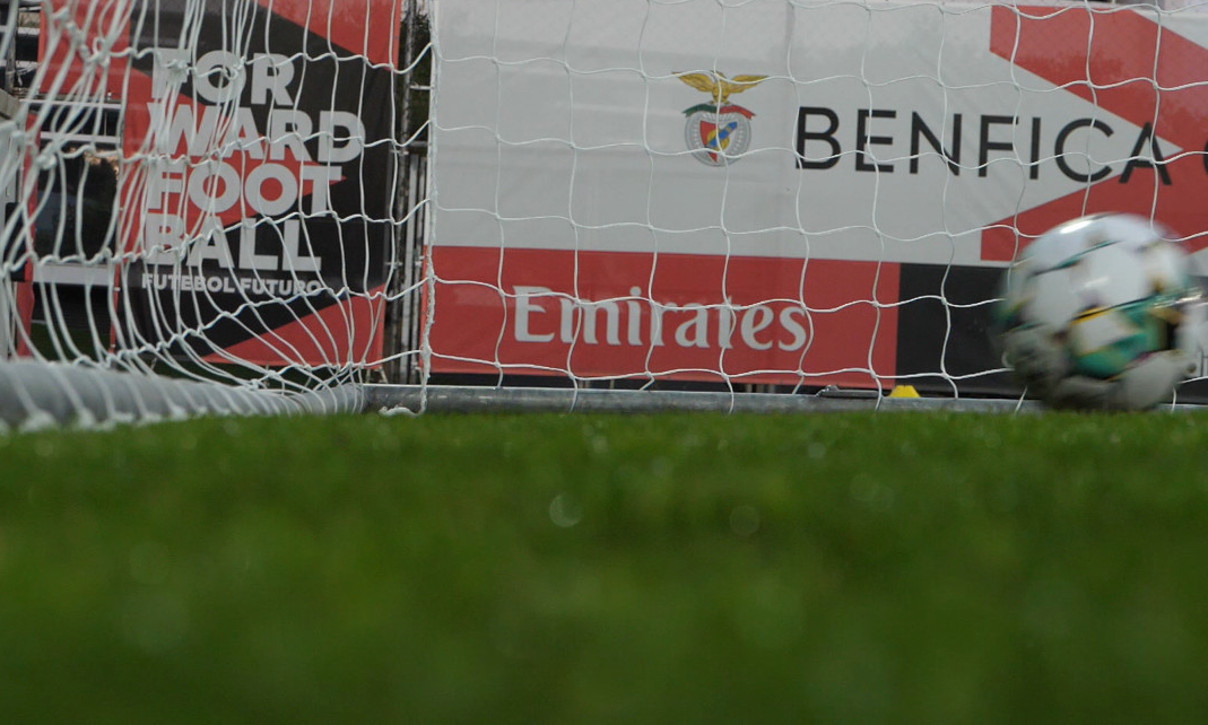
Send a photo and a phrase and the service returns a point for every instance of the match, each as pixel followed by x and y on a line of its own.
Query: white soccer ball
pixel 1101 312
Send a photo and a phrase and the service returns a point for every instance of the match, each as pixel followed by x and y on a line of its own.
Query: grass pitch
pixel 578 569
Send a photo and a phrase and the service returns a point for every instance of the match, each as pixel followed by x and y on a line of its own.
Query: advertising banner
pixel 257 174
pixel 784 192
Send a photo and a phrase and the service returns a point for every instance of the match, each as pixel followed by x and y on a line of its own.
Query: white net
pixel 206 189
pixel 726 195
pixel 794 193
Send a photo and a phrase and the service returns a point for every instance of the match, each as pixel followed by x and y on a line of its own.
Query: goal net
pixel 759 196
pixel 205 190
pixel 786 193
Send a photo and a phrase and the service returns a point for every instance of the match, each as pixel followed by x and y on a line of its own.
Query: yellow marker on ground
pixel 904 391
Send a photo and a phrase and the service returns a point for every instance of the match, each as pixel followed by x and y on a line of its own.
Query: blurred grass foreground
pixel 581 569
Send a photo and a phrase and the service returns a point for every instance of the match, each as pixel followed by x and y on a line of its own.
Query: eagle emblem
pixel 718 132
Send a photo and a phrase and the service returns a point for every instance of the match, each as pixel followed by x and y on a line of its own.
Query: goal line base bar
pixel 35 395
pixel 467 399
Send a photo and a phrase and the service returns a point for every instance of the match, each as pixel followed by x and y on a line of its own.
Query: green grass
pixel 575 569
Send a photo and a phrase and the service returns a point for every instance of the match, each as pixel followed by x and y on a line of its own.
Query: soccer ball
pixel 1101 312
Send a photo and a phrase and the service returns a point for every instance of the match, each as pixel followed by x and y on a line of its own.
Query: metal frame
pixel 467 399
pixel 411 178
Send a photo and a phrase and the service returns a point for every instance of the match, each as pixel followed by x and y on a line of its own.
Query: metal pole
pixel 464 399
pixel 8 109
pixel 399 338
pixel 8 46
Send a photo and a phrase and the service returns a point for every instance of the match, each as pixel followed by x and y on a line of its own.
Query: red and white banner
pixel 255 209
pixel 767 176
pixel 633 314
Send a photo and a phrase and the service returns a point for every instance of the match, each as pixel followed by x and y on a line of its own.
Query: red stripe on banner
pixel 346 333
pixel 347 23
pixel 65 58
pixel 1116 60
pixel 25 313
pixel 1129 65
pixel 668 316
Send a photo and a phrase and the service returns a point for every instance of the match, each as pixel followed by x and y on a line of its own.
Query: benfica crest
pixel 718 132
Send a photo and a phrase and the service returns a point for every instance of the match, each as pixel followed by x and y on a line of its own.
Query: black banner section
pixel 264 187
pixel 956 338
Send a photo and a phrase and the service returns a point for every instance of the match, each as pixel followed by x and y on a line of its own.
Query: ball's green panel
pixel 1108 362
pixel 1149 333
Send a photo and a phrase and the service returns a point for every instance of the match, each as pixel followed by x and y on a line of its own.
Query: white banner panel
pixel 887 134
pixel 565 125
